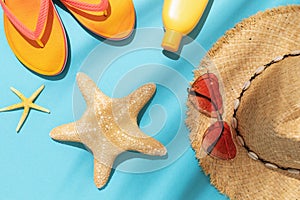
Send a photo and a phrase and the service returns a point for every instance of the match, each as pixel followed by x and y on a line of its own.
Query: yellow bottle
pixel 180 17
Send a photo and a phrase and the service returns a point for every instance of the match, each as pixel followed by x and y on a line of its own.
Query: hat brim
pixel 253 42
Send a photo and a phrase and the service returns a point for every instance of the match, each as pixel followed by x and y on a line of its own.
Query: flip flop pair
pixel 37 37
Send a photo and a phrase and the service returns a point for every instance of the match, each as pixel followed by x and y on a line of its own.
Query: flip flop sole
pixel 49 60
pixel 116 25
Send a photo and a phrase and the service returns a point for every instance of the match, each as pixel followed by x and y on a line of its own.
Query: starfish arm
pixel 139 98
pixel 18 93
pixel 67 132
pixel 89 89
pixel 23 118
pixel 36 93
pixel 139 141
pixel 37 107
pixel 101 173
pixel 148 146
pixel 12 107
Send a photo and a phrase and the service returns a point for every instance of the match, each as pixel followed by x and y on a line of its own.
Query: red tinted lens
pixel 217 141
pixel 206 96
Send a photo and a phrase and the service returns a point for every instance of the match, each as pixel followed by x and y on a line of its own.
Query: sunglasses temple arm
pixel 212 146
pixel 207 98
pixel 220 119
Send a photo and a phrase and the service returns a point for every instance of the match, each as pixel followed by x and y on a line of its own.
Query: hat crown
pixel 269 114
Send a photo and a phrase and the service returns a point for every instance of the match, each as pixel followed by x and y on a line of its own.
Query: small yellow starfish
pixel 27 104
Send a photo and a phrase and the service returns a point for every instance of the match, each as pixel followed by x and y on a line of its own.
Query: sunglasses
pixel 206 98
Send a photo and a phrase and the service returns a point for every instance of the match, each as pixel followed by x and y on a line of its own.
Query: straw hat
pixel 258 68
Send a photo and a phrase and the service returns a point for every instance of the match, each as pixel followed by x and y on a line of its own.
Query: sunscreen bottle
pixel 179 18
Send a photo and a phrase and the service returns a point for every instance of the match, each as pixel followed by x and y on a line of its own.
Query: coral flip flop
pixel 111 19
pixel 36 35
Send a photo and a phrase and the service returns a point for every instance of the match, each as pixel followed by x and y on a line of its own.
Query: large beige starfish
pixel 109 127
pixel 27 104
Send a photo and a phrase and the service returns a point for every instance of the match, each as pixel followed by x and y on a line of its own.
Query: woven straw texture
pixel 235 57
pixel 269 114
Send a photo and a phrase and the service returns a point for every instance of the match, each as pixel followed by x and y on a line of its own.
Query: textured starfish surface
pixel 27 104
pixel 109 127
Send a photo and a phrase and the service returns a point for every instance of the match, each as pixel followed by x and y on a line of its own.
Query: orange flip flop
pixel 111 19
pixel 36 35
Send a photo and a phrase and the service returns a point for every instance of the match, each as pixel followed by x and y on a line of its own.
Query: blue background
pixel 33 166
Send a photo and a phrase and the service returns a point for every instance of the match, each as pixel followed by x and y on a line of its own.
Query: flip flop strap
pixel 42 18
pixel 87 6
